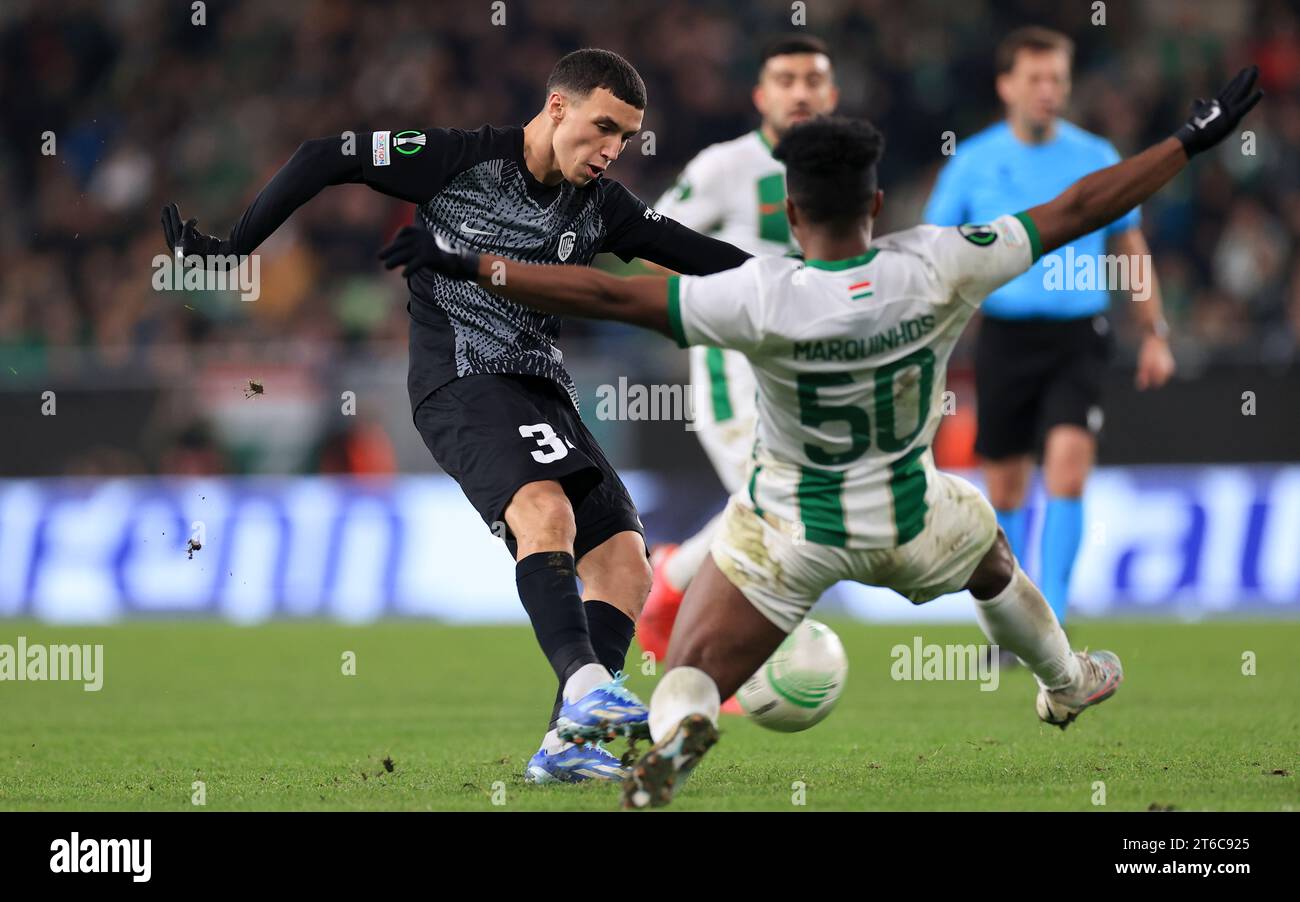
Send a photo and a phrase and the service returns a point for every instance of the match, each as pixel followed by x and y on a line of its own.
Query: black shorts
pixel 495 433
pixel 1031 375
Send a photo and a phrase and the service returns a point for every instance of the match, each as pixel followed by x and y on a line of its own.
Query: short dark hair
pixel 1033 38
pixel 790 44
pixel 583 71
pixel 830 167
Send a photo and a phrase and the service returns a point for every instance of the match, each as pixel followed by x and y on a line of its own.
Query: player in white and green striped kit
pixel 849 348
pixel 735 191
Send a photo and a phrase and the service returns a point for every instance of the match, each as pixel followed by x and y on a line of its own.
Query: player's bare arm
pixel 1109 193
pixel 579 291
pixel 1106 194
pixel 566 290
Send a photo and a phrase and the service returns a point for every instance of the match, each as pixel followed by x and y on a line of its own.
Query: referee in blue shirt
pixel 1044 342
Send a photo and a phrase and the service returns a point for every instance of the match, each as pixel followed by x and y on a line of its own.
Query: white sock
pixel 586 678
pixel 552 743
pixel 1019 620
pixel 689 556
pixel 683 691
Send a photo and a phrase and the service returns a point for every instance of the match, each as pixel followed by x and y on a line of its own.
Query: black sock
pixel 611 635
pixel 548 587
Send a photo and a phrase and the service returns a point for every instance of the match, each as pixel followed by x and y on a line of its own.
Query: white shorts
pixel 723 384
pixel 783 575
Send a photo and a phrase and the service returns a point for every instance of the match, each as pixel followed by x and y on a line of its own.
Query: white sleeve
pixel 723 310
pixel 972 260
pixel 695 200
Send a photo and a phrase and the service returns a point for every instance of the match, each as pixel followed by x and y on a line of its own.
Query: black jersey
pixel 474 188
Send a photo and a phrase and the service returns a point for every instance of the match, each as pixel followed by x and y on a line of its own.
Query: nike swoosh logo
pixel 468 230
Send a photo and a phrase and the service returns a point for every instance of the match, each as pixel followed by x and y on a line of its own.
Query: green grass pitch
pixel 265 718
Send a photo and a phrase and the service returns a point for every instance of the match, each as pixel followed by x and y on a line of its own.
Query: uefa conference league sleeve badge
pixel 407 143
pixel 978 234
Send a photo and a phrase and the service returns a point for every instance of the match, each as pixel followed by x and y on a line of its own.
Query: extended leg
pixel 615 579
pixel 1014 615
pixel 720 633
pixel 541 518
pixel 720 640
pixel 674 568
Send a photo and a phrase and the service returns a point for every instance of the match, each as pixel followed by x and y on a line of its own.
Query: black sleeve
pixel 316 163
pixel 413 165
pixel 408 165
pixel 636 230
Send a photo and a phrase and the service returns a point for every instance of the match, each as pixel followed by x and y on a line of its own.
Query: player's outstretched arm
pixel 316 164
pixel 1107 194
pixel 580 291
pixel 567 290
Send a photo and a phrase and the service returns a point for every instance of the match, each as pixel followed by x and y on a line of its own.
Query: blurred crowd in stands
pixel 146 107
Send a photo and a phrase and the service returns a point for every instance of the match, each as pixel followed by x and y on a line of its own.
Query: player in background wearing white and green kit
pixel 735 191
pixel 849 350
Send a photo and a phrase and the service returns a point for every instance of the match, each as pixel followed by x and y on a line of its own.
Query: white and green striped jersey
pixel 850 357
pixel 734 191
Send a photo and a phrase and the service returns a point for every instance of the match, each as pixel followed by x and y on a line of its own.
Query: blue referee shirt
pixel 994 173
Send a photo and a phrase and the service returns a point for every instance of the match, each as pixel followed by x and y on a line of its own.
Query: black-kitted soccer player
pixel 488 388
pixel 766 571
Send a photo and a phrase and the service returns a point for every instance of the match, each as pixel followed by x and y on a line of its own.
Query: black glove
pixel 188 237
pixel 418 249
pixel 1213 120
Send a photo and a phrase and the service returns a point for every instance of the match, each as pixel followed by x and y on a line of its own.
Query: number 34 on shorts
pixel 551 447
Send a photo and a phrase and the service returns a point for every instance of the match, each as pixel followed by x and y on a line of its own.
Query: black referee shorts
pixel 494 433
pixel 1031 375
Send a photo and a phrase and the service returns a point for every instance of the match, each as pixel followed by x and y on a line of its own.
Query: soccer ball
pixel 800 683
